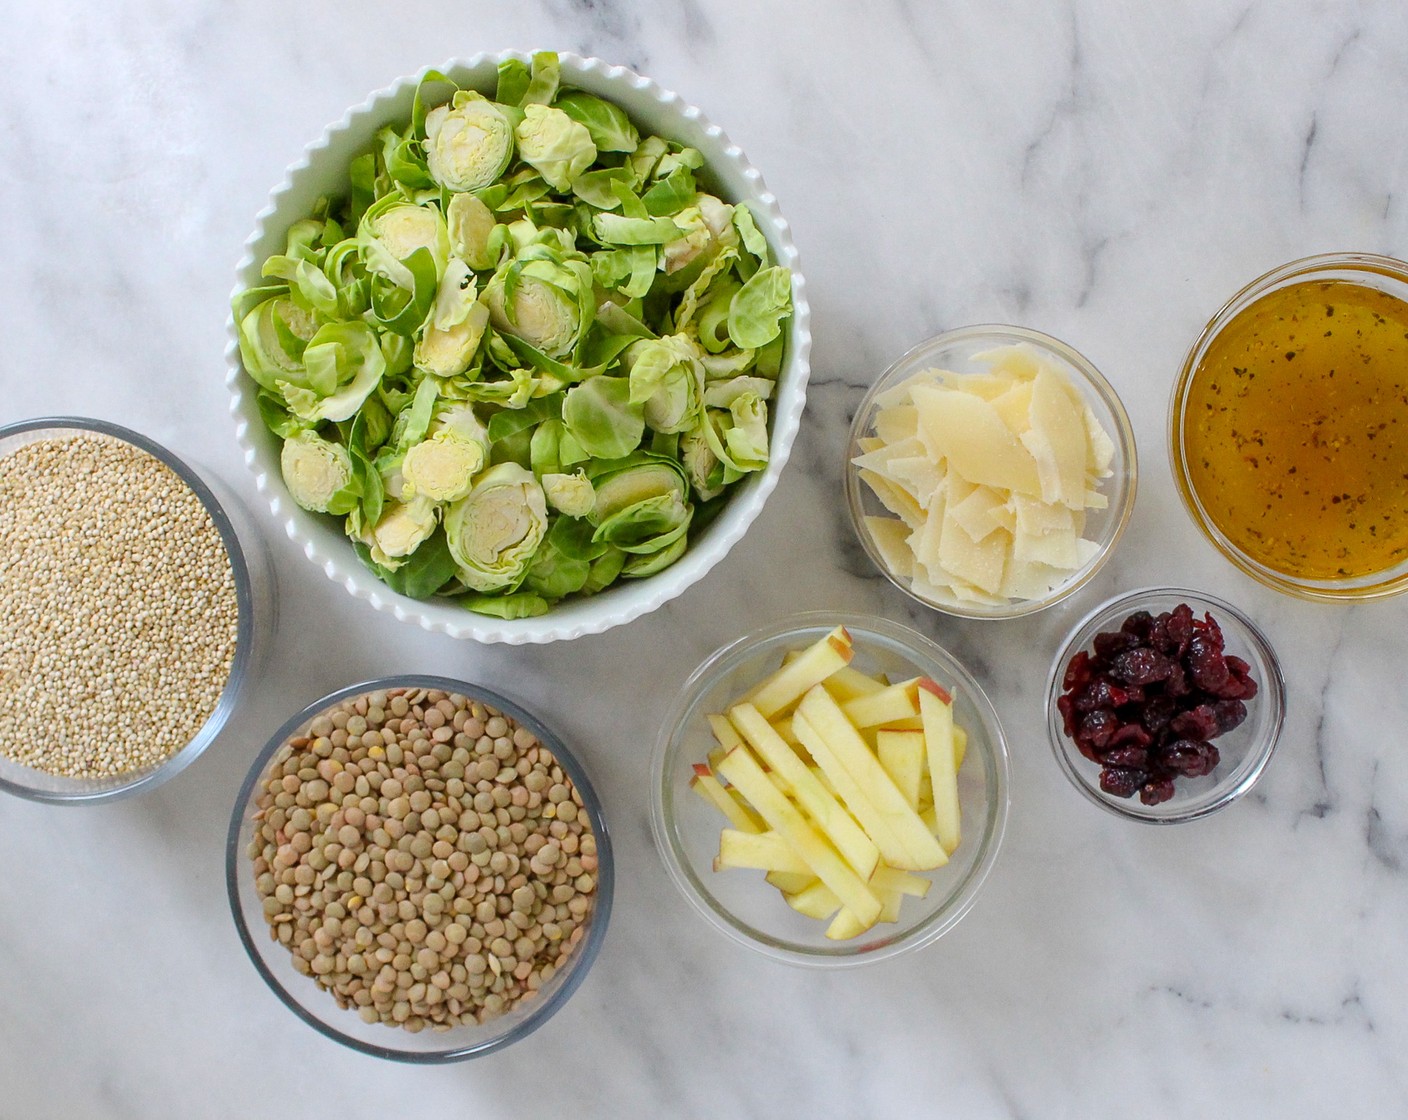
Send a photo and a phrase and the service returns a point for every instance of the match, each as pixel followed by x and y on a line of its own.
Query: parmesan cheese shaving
pixel 988 477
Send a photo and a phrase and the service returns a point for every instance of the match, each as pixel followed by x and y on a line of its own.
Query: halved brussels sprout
pixel 701 465
pixel 542 299
pixel 273 337
pixel 468 143
pixel 642 504
pixel 738 436
pixel 451 336
pixel 403 227
pixel 570 494
pixel 319 474
pixel 342 364
pixel 554 144
pixel 442 467
pixel 450 352
pixel 494 530
pixel 473 227
pixel 402 528
pixel 667 378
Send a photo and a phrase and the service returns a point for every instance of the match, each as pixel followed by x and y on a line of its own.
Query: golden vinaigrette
pixel 1296 430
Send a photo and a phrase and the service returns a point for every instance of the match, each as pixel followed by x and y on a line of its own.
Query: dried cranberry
pixel 1199 723
pixel 1182 756
pixel 1138 624
pixel 1158 711
pixel 1101 693
pixel 1077 672
pixel 1230 714
pixel 1158 635
pixel 1131 735
pixel 1206 664
pixel 1087 751
pixel 1097 727
pixel 1149 701
pixel 1141 667
pixel 1120 781
pixel 1180 627
pixel 1208 628
pixel 1156 791
pixel 1211 757
pixel 1240 685
pixel 1126 758
pixel 1112 643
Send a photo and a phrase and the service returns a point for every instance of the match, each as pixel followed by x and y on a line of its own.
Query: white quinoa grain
pixel 120 608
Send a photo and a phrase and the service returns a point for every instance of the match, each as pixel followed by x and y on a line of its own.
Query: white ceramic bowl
pixel 322 170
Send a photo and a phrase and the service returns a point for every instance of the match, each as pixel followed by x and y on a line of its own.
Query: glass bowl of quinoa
pixel 133 611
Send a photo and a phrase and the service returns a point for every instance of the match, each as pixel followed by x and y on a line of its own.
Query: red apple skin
pixel 937 689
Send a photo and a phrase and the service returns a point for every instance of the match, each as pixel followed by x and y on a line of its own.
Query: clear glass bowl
pixel 1245 750
pixel 317 1007
pixel 1382 273
pixel 958 351
pixel 252 571
pixel 740 903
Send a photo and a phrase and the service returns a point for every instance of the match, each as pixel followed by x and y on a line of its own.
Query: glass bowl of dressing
pixel 1288 428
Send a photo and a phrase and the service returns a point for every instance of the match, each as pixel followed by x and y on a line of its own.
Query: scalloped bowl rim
pixel 622 603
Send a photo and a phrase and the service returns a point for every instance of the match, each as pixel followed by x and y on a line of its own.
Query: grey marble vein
pixel 1107 173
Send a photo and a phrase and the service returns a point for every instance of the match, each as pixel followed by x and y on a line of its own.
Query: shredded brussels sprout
pixel 527 350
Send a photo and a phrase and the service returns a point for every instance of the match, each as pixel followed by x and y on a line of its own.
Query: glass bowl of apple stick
pixel 831 790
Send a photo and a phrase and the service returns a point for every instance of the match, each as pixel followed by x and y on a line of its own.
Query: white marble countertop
pixel 1107 173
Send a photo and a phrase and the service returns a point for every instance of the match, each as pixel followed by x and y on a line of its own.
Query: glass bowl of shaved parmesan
pixel 990 471
pixel 830 790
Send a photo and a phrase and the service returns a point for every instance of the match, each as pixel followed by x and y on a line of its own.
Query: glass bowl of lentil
pixel 741 903
pixel 439 859
pixel 136 604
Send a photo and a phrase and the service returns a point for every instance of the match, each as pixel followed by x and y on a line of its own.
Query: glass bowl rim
pixel 921 649
pixel 241 665
pixel 1302 268
pixel 1123 438
pixel 585 954
pixel 1272 690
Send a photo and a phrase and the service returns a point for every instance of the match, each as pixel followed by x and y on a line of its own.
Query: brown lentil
pixel 119 605
pixel 467 917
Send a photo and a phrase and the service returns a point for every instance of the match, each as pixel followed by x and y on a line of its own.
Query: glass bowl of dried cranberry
pixel 1165 705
